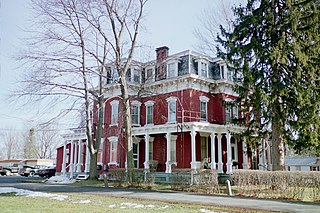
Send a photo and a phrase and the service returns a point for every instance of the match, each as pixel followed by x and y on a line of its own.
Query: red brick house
pixel 179 115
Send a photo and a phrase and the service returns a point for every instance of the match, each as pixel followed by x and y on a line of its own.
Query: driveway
pixel 175 197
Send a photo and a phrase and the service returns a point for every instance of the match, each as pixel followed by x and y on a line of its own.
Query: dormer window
pixel 136 75
pixel 149 74
pixel 202 67
pixel 172 68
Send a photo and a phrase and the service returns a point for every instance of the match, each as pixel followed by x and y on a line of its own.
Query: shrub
pixel 277 184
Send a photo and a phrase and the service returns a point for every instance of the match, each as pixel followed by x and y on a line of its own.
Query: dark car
pixel 47 172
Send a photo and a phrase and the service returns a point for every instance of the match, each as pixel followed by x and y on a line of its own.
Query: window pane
pixel 136 76
pixel 204 69
pixel 135 114
pixel 172 111
pixel 149 114
pixel 114 114
pixel 228 114
pixel 171 70
pixel 113 154
pixel 149 74
pixel 203 111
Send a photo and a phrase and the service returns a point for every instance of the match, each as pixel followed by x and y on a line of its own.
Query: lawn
pixel 10 202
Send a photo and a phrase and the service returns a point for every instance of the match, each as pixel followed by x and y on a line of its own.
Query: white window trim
pixel 112 139
pixel 147 104
pixel 172 99
pixel 114 103
pixel 137 104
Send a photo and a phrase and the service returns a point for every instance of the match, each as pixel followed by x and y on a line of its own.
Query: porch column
pixel 79 155
pixel 260 153
pixel 193 149
pixel 229 156
pixel 64 158
pixel 168 163
pixel 87 167
pixel 71 167
pixel 75 155
pixel 220 163
pixel 245 154
pixel 146 162
pixel 213 153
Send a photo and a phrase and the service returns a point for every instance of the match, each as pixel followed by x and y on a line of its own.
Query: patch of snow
pixel 60 180
pixel 209 211
pixel 82 201
pixel 138 206
pixel 29 193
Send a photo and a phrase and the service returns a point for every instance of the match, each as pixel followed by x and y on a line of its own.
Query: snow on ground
pixel 29 193
pixel 138 206
pixel 60 180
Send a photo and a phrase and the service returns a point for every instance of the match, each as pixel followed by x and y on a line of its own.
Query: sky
pixel 167 22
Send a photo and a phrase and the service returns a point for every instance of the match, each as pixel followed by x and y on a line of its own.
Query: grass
pixel 99 203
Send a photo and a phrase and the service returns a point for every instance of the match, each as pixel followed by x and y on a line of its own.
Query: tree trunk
pixel 127 126
pixel 93 166
pixel 277 148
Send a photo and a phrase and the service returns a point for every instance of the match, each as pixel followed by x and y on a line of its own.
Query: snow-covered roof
pixel 302 161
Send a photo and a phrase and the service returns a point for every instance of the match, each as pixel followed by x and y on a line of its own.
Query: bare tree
pixel 125 17
pixel 73 42
pixel 47 139
pixel 211 20
pixel 11 149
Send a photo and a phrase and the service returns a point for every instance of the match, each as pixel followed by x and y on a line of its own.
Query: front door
pixel 135 155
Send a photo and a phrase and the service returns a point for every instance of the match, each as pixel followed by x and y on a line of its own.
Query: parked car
pixel 8 170
pixel 29 171
pixel 47 172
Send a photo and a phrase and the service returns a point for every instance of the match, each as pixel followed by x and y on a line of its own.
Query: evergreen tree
pixel 276 44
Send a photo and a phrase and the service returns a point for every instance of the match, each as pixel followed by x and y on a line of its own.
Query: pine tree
pixel 276 44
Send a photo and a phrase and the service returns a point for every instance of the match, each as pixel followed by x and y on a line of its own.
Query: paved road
pixel 178 197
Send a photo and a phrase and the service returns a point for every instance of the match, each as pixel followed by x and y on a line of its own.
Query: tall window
pixel 228 114
pixel 171 70
pixel 149 112
pixel 100 152
pixel 113 149
pixel 235 112
pixel 204 108
pixel 172 109
pixel 114 112
pixel 203 69
pixel 135 112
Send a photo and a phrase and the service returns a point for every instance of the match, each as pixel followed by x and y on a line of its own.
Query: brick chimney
pixel 161 67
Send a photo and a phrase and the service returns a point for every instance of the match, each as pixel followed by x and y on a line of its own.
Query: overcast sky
pixel 168 22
